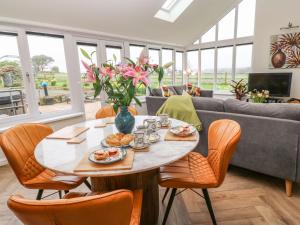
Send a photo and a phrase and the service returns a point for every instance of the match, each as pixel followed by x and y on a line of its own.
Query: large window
pixel 232 47
pixel 209 36
pixel 50 72
pixel 12 93
pixel 42 76
pixel 224 68
pixel 207 69
pixel 167 56
pixel 243 61
pixel 178 68
pixel 113 54
pixel 135 51
pixel 246 18
pixel 226 26
pixel 192 66
pixel 154 59
pixel 90 103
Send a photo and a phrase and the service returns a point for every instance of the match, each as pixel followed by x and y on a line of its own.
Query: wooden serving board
pixel 76 140
pixel 85 165
pixel 171 137
pixel 68 133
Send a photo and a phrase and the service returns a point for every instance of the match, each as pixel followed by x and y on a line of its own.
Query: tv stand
pixel 271 100
pixel 274 100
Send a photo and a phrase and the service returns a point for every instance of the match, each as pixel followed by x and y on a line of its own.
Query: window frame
pixel 71 37
pixel 235 41
pixel 182 66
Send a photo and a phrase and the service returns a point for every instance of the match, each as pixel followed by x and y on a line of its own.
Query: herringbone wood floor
pixel 245 198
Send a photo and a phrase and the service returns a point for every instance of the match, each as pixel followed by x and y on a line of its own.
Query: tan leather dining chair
pixel 121 207
pixel 18 144
pixel 196 171
pixel 108 111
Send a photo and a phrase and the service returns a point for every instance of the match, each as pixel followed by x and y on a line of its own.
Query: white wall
pixel 270 16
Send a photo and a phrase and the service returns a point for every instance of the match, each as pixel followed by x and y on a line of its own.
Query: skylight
pixel 172 9
pixel 169 4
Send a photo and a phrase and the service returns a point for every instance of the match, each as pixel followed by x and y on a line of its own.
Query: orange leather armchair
pixel 18 144
pixel 197 171
pixel 121 207
pixel 108 111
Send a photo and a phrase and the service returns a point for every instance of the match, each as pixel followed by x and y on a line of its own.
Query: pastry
pixel 113 152
pixel 119 139
pixel 113 140
pixel 119 135
pixel 126 139
pixel 100 155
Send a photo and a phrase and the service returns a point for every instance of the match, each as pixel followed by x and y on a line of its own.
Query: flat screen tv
pixel 279 84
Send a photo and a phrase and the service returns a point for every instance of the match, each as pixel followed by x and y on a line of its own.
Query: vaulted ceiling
pixel 128 18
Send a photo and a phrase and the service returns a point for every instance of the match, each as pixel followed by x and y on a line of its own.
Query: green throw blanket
pixel 181 108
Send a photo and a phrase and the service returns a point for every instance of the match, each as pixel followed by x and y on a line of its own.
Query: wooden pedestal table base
pixel 147 181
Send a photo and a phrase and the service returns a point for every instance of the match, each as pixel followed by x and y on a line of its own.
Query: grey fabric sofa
pixel 270 141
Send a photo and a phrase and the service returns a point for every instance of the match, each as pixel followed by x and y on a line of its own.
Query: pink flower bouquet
pixel 119 81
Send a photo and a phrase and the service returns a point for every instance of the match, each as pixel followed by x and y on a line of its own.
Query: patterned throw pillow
pixel 166 92
pixel 193 90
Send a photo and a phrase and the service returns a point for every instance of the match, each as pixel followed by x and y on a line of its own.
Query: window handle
pixel 28 76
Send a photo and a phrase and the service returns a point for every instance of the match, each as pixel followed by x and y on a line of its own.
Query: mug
pixel 152 125
pixel 144 129
pixel 139 138
pixel 164 119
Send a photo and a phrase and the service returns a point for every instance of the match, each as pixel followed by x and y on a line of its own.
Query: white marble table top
pixel 59 156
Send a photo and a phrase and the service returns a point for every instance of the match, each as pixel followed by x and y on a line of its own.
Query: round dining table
pixel 59 156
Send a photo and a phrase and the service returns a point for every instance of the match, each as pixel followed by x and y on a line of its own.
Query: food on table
pixel 184 129
pixel 119 139
pixel 113 152
pixel 101 155
pixel 127 139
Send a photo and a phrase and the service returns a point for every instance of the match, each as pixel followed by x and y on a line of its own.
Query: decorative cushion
pixel 274 110
pixel 155 92
pixel 179 89
pixel 167 91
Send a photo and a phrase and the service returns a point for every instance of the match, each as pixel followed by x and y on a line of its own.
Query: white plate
pixel 106 145
pixel 111 159
pixel 176 131
pixel 155 137
pixel 131 144
pixel 166 124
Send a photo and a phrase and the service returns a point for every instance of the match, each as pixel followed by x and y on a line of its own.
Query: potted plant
pixel 120 82
pixel 239 88
pixel 259 97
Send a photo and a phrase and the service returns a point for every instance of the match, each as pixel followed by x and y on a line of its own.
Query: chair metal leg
pixel 60 194
pixel 173 194
pixel 88 184
pixel 165 195
pixel 39 194
pixel 209 206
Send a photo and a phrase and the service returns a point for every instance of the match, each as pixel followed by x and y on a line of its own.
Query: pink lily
pixel 89 72
pixel 107 71
pixel 143 59
pixel 138 75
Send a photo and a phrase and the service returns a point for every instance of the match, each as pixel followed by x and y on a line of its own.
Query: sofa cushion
pixel 208 104
pixel 155 92
pixel 179 89
pixel 158 91
pixel 275 110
